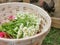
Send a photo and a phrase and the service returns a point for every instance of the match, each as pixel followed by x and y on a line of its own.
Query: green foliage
pixel 53 38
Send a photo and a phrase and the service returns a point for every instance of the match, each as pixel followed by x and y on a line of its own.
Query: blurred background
pixel 53 9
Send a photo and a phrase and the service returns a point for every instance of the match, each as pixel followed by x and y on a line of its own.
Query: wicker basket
pixel 55 22
pixel 11 9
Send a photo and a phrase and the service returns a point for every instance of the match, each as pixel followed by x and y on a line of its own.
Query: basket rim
pixel 55 18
